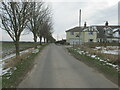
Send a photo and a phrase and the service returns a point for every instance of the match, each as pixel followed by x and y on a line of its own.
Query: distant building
pixel 80 35
pixel 84 34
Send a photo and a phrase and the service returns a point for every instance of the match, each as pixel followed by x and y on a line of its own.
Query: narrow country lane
pixel 56 68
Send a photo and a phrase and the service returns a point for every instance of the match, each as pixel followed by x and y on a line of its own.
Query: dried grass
pixel 14 60
pixel 110 57
pixel 101 44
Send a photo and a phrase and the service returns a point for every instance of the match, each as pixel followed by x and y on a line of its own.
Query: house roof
pixel 100 29
pixel 116 30
pixel 90 29
pixel 75 29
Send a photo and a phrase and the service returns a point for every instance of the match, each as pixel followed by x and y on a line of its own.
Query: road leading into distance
pixel 56 68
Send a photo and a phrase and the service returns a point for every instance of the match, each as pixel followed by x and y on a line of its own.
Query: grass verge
pixel 108 71
pixel 12 80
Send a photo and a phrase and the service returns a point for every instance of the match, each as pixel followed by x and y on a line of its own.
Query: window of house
pixel 90 40
pixel 108 32
pixel 104 32
pixel 77 35
pixel 90 33
pixel 72 33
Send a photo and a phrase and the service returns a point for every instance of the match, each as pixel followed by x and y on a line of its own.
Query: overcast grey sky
pixel 66 15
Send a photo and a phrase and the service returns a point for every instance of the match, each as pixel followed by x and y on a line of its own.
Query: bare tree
pixel 45 29
pixel 41 22
pixel 14 17
pixel 48 27
pixel 37 14
pixel 38 19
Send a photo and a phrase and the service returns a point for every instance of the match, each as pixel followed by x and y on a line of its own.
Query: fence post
pixel 73 44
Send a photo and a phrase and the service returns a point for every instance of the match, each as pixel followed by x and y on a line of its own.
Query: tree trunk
pixel 35 38
pixel 17 48
pixel 47 40
pixel 44 39
pixel 40 40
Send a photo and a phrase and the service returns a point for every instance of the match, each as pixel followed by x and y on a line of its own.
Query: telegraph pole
pixel 119 13
pixel 79 24
pixel 80 18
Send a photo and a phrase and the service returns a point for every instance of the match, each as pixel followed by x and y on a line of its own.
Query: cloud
pixel 119 13
pixel 65 15
pixel 108 14
pixel 5 37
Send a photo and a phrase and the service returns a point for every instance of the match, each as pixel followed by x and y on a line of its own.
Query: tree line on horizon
pixel 36 17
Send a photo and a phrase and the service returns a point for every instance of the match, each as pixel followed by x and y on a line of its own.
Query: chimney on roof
pixel 85 25
pixel 80 18
pixel 106 23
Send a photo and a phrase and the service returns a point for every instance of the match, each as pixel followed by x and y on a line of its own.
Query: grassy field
pixel 9 47
pixel 19 70
pixel 110 72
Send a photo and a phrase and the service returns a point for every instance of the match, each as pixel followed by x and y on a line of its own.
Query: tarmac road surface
pixel 56 68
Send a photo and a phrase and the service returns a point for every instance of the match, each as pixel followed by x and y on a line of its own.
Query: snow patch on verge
pixel 97 58
pixel 93 56
pixel 5 71
pixel 111 52
pixel 35 51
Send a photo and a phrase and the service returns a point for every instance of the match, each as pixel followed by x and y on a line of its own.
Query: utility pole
pixel 119 13
pixel 79 24
pixel 80 18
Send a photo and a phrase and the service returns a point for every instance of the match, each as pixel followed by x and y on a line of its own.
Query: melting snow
pixel 101 60
pixel 111 51
pixel 5 71
pixel 2 72
pixel 8 77
pixel 98 58
pixel 14 68
pixel 12 55
pixel 98 47
pixel 35 51
pixel 79 52
pixel 93 56
pixel 7 57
